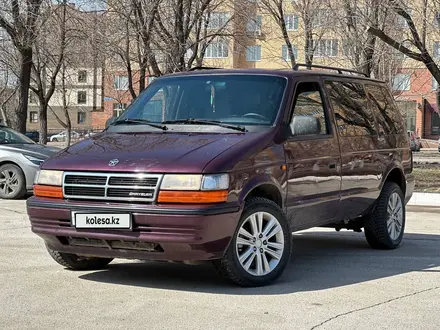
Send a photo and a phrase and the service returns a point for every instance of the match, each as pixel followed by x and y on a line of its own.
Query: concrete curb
pixel 425 199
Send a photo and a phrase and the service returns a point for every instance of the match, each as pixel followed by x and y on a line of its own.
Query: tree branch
pixel 395 44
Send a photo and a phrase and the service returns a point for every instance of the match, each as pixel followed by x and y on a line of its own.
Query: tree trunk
pixel 43 122
pixel 65 107
pixel 5 118
pixel 24 81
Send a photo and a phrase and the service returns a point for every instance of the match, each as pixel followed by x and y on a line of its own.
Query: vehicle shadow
pixel 320 260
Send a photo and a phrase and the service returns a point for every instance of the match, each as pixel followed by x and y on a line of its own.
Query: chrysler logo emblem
pixel 113 162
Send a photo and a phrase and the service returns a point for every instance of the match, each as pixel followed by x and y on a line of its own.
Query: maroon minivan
pixel 223 165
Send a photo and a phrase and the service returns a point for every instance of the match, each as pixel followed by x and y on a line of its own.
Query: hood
pixel 146 152
pixel 35 150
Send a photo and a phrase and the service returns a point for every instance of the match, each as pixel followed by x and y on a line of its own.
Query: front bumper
pixel 178 233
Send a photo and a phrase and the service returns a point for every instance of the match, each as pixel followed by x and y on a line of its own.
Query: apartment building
pixel 258 43
pixel 83 76
pixel 84 98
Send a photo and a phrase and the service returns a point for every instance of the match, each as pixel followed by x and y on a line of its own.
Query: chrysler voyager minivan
pixel 223 165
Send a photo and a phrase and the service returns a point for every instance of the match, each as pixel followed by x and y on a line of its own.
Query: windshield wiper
pixel 139 121
pixel 205 122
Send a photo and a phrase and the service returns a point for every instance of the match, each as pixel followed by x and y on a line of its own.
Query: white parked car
pixel 61 137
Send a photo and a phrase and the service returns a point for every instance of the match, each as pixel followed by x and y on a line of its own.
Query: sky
pixel 88 4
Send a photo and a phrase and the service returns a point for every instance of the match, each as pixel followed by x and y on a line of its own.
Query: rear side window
pixel 351 108
pixel 387 114
pixel 352 112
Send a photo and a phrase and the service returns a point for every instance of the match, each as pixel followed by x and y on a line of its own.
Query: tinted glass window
pixel 387 115
pixel 308 103
pixel 235 99
pixel 352 112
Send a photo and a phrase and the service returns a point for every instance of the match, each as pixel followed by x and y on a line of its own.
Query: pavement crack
pixel 13 211
pixel 372 306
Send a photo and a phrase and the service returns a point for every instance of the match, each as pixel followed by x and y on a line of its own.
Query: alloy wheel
pixel 260 243
pixel 8 182
pixel 395 213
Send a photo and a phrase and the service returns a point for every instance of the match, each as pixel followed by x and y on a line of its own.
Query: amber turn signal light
pixel 193 197
pixel 48 191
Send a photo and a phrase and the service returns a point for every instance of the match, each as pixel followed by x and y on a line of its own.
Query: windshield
pixel 230 99
pixel 9 136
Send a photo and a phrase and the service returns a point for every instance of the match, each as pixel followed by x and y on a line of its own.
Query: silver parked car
pixel 20 159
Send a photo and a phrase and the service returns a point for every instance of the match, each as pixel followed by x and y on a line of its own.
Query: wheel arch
pixel 397 176
pixel 265 187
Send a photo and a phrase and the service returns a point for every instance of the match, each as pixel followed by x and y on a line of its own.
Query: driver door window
pixel 309 117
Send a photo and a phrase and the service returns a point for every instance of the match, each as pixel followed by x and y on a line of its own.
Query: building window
pixel 325 48
pixel 348 48
pixel 434 84
pixel 321 18
pixel 82 76
pixel 402 82
pixel 400 21
pixel 398 54
pixel 254 25
pixel 3 34
pixel 81 117
pixel 217 49
pixel 32 97
pixel 253 53
pixel 435 124
pixel 285 53
pixel 150 79
pixel 436 49
pixel 291 22
pixel 33 117
pixel 218 20
pixel 82 97
pixel 437 19
pixel 121 83
pixel 118 109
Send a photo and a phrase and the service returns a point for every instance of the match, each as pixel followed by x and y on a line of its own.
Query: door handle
pixel 331 166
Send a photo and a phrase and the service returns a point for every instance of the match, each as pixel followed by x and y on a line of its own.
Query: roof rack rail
pixel 339 70
pixel 203 68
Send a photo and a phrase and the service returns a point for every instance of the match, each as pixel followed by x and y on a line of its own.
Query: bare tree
pixel 417 35
pixel 275 8
pixel 20 19
pixel 49 51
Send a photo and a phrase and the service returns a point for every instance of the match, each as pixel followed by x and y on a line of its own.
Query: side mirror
pixel 110 121
pixel 305 125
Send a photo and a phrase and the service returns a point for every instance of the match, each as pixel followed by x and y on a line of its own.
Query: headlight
pixel 181 182
pixel 195 182
pixel 215 182
pixel 49 178
pixel 33 160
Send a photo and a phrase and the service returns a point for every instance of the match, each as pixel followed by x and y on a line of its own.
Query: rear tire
pixel 75 262
pixel 385 226
pixel 55 140
pixel 261 246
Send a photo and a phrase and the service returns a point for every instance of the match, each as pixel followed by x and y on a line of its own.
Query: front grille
pixel 84 191
pixel 87 180
pixel 125 181
pixel 137 193
pixel 109 186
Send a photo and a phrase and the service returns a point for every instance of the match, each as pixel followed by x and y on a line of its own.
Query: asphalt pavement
pixel 333 281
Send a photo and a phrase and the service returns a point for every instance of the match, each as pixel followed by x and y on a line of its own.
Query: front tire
pixel 75 262
pixel 261 246
pixel 385 227
pixel 12 182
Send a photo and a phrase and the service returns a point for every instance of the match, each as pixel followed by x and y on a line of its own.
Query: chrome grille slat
pixel 111 186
